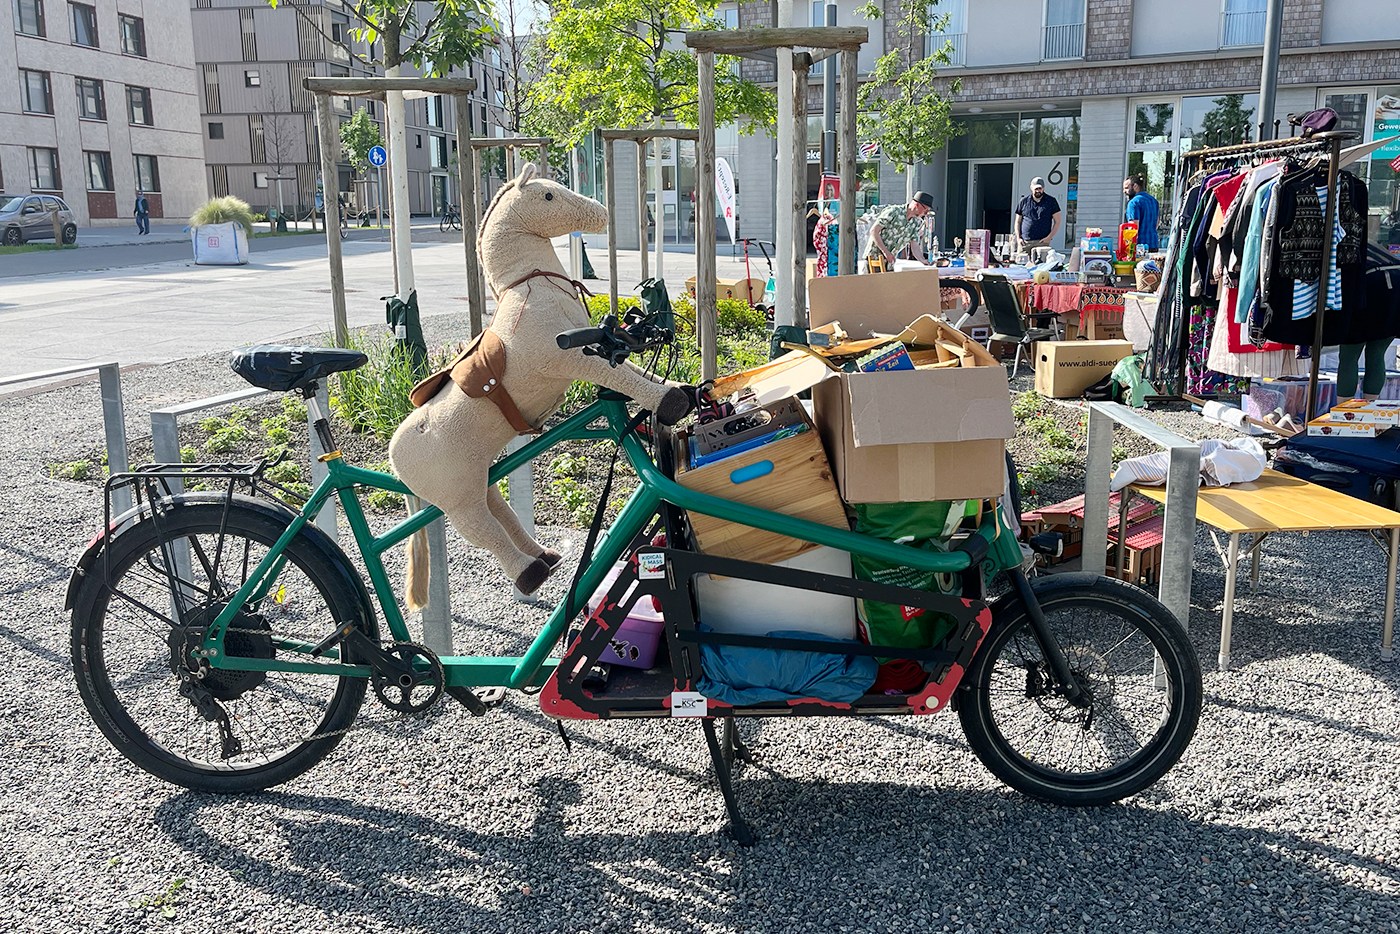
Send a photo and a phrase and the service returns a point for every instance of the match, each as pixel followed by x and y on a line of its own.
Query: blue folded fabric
pixel 740 675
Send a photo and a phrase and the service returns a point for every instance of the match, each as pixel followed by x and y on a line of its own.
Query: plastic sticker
pixel 401 332
pixel 651 566
pixel 689 704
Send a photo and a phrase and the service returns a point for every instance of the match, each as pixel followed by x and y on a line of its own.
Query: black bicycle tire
pixel 118 726
pixel 445 224
pixel 1150 764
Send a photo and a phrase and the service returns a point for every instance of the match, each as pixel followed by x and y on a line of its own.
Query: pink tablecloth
pixel 1101 301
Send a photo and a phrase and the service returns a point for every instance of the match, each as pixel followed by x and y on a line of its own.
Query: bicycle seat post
pixel 319 422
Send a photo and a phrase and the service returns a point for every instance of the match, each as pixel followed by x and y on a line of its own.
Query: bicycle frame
pixel 534 667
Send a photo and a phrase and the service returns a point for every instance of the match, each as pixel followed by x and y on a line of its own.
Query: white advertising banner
pixel 724 190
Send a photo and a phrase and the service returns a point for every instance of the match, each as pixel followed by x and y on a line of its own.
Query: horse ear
pixel 526 173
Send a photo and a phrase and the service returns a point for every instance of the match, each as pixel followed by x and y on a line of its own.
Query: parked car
pixel 28 217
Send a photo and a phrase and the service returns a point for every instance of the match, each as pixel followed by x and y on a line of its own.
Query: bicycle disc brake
pixel 401 684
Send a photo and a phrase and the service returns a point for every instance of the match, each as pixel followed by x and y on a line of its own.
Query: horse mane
pixel 495 199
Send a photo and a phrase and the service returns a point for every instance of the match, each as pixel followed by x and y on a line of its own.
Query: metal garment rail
pixel 109 379
pixel 1179 520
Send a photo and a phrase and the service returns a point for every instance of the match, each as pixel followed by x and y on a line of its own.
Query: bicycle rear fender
pixel 87 561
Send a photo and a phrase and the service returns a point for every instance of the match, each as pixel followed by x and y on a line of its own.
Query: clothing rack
pixel 1329 146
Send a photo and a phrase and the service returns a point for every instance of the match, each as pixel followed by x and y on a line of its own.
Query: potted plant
pixel 219 232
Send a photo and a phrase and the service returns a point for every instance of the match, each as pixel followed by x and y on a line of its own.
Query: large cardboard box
pixel 869 306
pixel 1064 369
pixel 916 435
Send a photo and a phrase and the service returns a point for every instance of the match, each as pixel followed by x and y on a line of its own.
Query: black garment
pixel 1037 217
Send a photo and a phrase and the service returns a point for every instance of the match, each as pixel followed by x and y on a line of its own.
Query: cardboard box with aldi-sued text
pixel 1064 369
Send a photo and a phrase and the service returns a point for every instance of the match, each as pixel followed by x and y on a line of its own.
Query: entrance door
pixel 990 204
pixel 439 193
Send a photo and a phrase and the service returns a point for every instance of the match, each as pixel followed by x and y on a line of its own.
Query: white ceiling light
pixel 1047 106
pixel 974 110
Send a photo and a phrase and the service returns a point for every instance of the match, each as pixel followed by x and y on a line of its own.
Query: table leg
pixel 1256 545
pixel 1121 560
pixel 1388 632
pixel 1227 617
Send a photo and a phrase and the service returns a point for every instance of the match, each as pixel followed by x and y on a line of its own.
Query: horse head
pixel 534 205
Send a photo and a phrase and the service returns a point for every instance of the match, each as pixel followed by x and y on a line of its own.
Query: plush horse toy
pixel 509 380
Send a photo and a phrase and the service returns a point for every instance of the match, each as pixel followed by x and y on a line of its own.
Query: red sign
pixel 1395 163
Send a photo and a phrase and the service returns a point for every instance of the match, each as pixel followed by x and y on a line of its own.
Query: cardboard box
pixel 1326 426
pixel 915 436
pixel 1096 329
pixel 1064 369
pixel 745 290
pixel 1385 412
pixel 870 306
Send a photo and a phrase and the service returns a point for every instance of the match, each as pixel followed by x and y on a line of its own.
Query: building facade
pixel 1084 92
pixel 98 100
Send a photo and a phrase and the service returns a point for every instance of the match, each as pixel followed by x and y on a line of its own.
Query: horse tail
pixel 416 575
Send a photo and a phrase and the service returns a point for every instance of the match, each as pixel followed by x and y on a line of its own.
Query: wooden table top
pixel 1277 502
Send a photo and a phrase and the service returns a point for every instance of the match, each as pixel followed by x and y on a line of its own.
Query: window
pixel 1050 136
pixel 340 28
pixel 731 18
pixel 54 204
pixel 38 95
pixel 29 17
pixel 91 104
pixel 986 136
pixel 216 131
pixel 1242 22
pixel 418 137
pixel 133 35
pixel 43 170
pixel 1218 120
pixel 84 24
pixel 99 171
pixel 259 179
pixel 434 110
pixel 1064 30
pixel 138 106
pixel 954 31
pixel 251 79
pixel 147 174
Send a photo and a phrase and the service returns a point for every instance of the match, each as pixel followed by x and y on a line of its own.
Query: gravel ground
pixel 1281 816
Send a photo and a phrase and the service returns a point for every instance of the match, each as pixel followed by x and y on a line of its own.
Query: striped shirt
pixel 1305 293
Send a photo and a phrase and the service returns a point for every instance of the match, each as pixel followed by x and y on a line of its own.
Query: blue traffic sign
pixel 377 156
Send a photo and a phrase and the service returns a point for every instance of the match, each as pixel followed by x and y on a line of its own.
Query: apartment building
pixel 1083 92
pixel 97 100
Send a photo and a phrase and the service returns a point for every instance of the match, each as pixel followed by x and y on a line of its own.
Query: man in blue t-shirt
pixel 1142 208
pixel 1037 217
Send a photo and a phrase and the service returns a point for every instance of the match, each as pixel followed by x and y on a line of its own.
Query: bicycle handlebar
pixel 580 337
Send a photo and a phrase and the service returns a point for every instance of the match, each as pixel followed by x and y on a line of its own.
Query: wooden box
pixel 791 476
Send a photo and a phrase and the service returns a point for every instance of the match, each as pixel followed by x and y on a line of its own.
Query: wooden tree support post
pixel 706 286
pixel 801 65
pixel 642 203
pixel 846 230
pixel 466 181
pixel 610 200
pixel 329 136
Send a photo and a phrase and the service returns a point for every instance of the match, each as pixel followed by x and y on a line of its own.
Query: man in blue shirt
pixel 1142 208
pixel 1037 217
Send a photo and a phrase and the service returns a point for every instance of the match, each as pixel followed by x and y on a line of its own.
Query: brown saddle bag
pixel 478 371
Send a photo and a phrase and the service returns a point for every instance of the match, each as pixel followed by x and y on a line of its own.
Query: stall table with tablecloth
pixel 1274 503
pixel 1100 304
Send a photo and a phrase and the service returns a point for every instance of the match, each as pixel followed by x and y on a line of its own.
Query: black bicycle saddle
pixel 281 368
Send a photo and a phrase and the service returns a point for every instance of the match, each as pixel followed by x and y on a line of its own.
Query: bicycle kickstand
pixel 738 827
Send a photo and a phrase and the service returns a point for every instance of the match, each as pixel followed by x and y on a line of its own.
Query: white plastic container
pixel 219 244
pixel 744 606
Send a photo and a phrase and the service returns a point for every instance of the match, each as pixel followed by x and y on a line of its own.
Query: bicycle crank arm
pixel 351 638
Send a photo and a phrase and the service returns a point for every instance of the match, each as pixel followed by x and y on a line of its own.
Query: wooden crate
pixel 790 476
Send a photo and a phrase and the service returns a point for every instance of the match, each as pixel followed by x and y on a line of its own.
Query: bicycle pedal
pixel 478 700
pixel 492 697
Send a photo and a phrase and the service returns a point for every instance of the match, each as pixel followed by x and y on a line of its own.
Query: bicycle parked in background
pixel 451 219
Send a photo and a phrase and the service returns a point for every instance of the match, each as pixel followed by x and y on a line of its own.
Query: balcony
pixel 957 42
pixel 1062 43
pixel 1242 27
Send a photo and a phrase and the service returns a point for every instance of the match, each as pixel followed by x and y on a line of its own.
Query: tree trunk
pixel 400 230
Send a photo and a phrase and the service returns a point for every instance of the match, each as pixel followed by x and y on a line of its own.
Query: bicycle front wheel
pixel 1142 700
pixel 227 731
pixel 445 224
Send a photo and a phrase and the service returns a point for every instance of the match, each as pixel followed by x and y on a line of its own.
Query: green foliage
pixel 374 398
pixel 617 63
pixel 1045 472
pixel 576 499
pixel 285 472
pixel 1057 438
pixel 1027 405
pixel 504 486
pixel 225 439
pixel 73 470
pixel 902 105
pixel 164 902
pixel 189 454
pixel 224 210
pixel 298 493
pixel 358 137
pixel 569 465
pixel 293 409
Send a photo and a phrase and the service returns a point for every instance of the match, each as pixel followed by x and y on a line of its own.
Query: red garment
pixel 1234 330
pixel 903 676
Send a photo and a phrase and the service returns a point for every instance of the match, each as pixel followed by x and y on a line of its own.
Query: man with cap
pixel 1037 217
pixel 899 226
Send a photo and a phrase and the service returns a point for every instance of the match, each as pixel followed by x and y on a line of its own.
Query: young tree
pixel 520 58
pixel 902 105
pixel 619 63
pixel 282 145
pixel 357 138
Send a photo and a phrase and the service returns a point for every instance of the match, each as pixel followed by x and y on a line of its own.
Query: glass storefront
pixel 1375 114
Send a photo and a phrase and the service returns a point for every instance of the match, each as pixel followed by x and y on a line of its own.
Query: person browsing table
pixel 1037 217
pixel 1142 208
pixel 899 226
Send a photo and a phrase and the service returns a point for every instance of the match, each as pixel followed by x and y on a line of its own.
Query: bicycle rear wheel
pixel 1138 715
pixel 229 731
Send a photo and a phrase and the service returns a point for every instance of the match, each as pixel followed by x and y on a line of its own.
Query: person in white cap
pixel 1037 217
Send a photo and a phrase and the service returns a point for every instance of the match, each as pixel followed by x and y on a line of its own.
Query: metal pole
pixel 706 286
pixel 783 234
pixel 1329 220
pixel 610 197
pixel 829 105
pixel 1097 465
pixel 379 195
pixel 466 182
pixel 642 202
pixel 325 519
pixel 1268 79
pixel 329 177
pixel 801 66
pixel 1179 531
pixel 521 484
pixel 109 379
pixel 846 231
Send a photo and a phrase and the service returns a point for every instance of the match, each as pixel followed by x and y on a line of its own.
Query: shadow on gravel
pixel 1147 868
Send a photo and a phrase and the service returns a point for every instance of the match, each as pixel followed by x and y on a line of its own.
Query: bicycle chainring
pixel 245 639
pixel 417 686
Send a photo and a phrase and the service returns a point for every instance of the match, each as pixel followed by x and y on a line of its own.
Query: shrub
pixel 374 398
pixel 226 439
pixel 224 211
pixel 75 470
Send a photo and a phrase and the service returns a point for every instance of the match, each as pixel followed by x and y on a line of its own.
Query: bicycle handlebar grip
pixel 580 337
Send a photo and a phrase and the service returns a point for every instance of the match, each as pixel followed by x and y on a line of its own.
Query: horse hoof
pixel 533 576
pixel 551 557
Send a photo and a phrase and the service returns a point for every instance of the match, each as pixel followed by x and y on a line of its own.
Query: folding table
pixel 1274 503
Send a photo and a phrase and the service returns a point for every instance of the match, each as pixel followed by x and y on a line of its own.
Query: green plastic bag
pixel 923 525
pixel 1128 374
